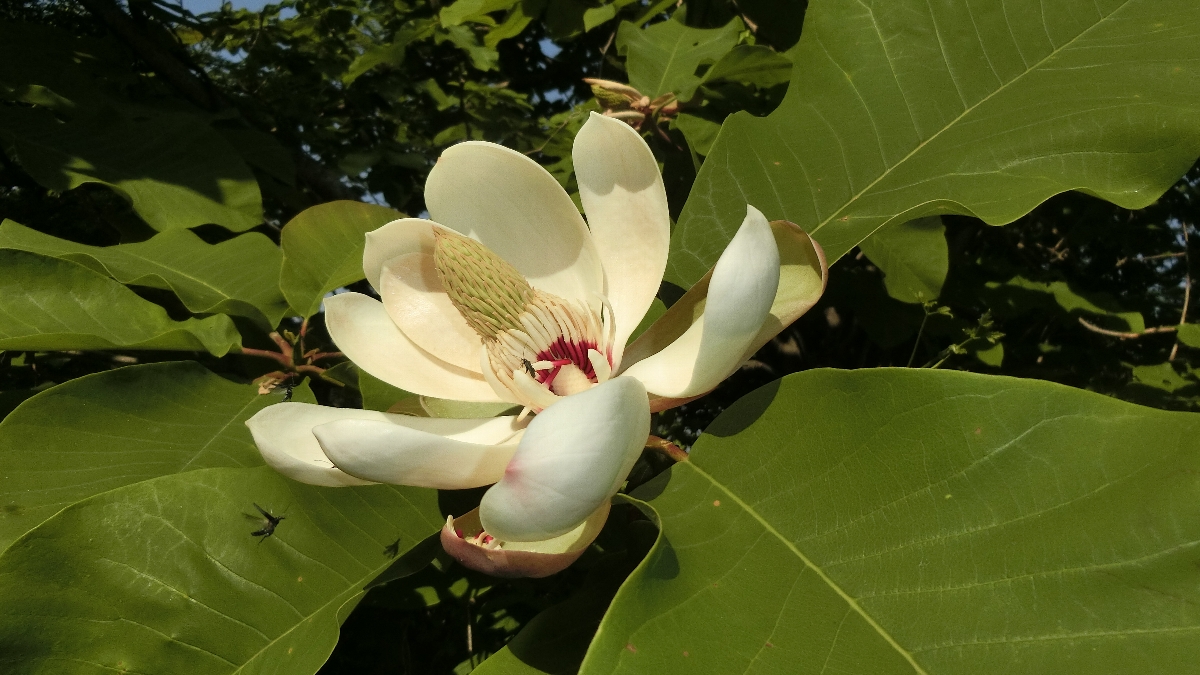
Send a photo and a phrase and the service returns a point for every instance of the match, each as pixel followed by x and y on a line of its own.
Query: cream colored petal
pixel 397 238
pixel 517 209
pixel 743 286
pixel 446 454
pixel 626 205
pixel 414 297
pixel 803 274
pixel 573 457
pixel 284 435
pixel 363 331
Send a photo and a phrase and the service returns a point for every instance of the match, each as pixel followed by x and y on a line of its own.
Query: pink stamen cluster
pixel 482 539
pixel 564 352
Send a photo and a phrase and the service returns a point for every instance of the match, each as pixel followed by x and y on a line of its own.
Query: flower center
pixel 538 346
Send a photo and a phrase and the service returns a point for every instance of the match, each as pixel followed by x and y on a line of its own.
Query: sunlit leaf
pixel 323 250
pixel 664 57
pixel 239 276
pixel 916 521
pixel 913 256
pixel 164 576
pixel 904 109
pixel 118 427
pixel 53 304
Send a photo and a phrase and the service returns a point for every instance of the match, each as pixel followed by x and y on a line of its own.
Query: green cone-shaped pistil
pixel 488 292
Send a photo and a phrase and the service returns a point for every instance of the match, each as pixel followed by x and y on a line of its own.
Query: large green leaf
pixel 907 108
pixel 53 304
pixel 163 576
pixel 915 521
pixel 114 428
pixel 664 57
pixel 914 258
pixel 323 250
pixel 239 276
pixel 174 169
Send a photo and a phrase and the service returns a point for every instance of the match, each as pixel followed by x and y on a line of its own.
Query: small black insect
pixel 269 526
pixel 287 392
pixel 529 368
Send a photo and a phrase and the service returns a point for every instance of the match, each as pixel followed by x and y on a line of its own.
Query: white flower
pixel 507 295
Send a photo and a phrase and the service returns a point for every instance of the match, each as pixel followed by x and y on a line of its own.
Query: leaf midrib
pixel 853 604
pixel 1003 87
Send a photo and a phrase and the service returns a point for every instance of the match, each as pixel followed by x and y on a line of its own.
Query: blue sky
pixel 200 6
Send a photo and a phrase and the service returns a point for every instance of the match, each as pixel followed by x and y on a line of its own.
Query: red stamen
pixel 458 532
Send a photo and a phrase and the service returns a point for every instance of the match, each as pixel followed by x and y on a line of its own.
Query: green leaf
pixel 929 522
pixel 391 54
pixel 49 304
pixel 1189 334
pixel 700 132
pixel 239 276
pixel 913 256
pixel 751 64
pixel 323 250
pixel 1019 295
pixel 115 428
pixel 468 10
pixel 665 56
pixel 1163 376
pixel 174 169
pixel 379 395
pixel 910 108
pixel 163 576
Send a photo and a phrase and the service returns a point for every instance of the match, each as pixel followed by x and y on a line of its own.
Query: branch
pixel 1123 335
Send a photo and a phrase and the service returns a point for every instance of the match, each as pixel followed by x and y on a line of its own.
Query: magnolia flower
pixel 507 296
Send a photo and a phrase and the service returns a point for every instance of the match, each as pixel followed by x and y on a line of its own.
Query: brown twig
pixel 1187 290
pixel 1125 335
pixel 667 448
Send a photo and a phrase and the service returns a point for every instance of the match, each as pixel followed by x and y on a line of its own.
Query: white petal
pixel 363 331
pixel 414 297
pixel 283 434
pixel 397 238
pixel 517 209
pixel 446 454
pixel 626 205
pixel 740 292
pixel 574 456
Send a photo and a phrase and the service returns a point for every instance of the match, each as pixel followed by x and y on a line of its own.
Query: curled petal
pixel 447 454
pixel 414 297
pixel 626 204
pixel 397 238
pixel 516 208
pixel 534 559
pixel 573 457
pixel 743 286
pixel 362 329
pixel 284 435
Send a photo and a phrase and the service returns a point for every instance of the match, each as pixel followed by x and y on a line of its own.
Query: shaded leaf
pixel 664 57
pixel 1189 334
pixel 900 521
pixel 174 169
pixel 114 428
pixel 323 250
pixel 1019 295
pixel 906 109
pixel 700 132
pixel 239 276
pixel 48 304
pixel 751 64
pixel 164 576
pixel 913 256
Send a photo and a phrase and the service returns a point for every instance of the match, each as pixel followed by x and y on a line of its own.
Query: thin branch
pixel 1187 289
pixel 666 448
pixel 1124 335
